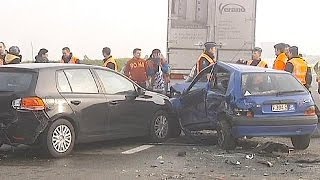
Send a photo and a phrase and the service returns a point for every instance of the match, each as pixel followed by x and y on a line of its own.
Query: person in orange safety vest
pixel 280 52
pixel 109 61
pixel 298 67
pixel 67 56
pixel 207 57
pixel 256 59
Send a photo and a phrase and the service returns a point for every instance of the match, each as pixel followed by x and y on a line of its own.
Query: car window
pixel 62 82
pixel 114 83
pixel 220 81
pixel 15 81
pixel 201 80
pixel 269 83
pixel 81 81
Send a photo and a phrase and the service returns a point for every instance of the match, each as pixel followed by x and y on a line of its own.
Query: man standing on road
pixel 298 67
pixel 136 69
pixel 67 56
pixel 281 60
pixel 109 61
pixel 256 59
pixel 207 57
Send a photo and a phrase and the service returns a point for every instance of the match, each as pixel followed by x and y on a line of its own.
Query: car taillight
pixel 243 112
pixel 29 103
pixel 311 111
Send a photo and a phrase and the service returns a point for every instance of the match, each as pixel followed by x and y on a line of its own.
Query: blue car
pixel 239 100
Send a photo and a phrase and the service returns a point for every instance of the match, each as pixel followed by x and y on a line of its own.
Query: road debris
pixel 182 154
pixel 233 162
pixel 249 156
pixel 159 158
pixel 268 163
pixel 265 174
pixel 270 147
pixel 308 161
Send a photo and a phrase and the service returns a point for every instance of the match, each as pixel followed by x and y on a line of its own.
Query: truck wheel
pixel 300 142
pixel 58 139
pixel 225 139
pixel 159 129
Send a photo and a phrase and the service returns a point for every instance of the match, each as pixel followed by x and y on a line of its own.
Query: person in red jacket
pixel 136 69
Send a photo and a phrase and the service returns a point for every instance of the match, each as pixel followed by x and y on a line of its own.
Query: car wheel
pixel 225 139
pixel 159 130
pixel 300 142
pixel 58 140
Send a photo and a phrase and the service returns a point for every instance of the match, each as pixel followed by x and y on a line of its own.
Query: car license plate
pixel 279 107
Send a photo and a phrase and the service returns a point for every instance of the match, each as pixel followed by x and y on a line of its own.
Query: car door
pixel 80 90
pixel 128 115
pixel 193 101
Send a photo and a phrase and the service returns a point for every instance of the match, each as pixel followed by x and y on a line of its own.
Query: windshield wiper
pixel 287 92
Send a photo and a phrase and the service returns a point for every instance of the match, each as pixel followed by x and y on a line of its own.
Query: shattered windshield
pixel 270 84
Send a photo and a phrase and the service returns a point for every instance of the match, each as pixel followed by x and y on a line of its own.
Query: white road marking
pixel 137 149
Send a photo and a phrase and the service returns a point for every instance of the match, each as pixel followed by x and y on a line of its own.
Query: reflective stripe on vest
pixel 199 62
pixel 113 61
pixel 300 69
pixel 260 64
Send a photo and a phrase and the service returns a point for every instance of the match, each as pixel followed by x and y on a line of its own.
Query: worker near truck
pixel 256 59
pixel 281 59
pixel 207 57
pixel 298 67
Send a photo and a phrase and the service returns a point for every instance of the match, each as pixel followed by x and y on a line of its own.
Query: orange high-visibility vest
pixel 280 62
pixel 260 64
pixel 200 62
pixel 73 60
pixel 113 61
pixel 300 68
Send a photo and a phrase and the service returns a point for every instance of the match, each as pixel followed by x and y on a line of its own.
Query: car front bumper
pixel 275 126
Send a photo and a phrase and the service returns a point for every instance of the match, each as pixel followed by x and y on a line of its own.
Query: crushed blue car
pixel 245 101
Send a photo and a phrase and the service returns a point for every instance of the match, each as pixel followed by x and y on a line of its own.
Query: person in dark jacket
pixel 13 56
pixel 42 56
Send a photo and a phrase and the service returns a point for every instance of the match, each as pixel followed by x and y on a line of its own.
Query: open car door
pixel 193 110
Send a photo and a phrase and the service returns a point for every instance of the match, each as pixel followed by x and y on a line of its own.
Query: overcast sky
pixel 87 26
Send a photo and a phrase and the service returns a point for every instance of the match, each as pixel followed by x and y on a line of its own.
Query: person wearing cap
pixel 3 52
pixel 13 56
pixel 256 59
pixel 281 59
pixel 108 60
pixel 207 57
pixel 298 67
pixel 42 56
pixel 136 69
pixel 67 56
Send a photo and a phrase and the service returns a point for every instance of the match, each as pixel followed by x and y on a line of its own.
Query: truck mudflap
pixel 24 128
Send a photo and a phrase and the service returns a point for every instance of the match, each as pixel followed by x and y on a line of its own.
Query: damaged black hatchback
pixel 58 105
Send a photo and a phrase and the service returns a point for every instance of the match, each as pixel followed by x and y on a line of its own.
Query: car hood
pixel 180 87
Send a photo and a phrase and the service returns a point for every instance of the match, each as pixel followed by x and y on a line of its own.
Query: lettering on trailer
pixel 231 8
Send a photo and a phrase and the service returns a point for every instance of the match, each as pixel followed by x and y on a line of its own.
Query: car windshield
pixel 15 81
pixel 270 84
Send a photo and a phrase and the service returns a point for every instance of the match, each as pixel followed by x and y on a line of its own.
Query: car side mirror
pixel 132 95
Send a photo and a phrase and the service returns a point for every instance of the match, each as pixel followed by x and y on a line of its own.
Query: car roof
pixel 36 66
pixel 241 68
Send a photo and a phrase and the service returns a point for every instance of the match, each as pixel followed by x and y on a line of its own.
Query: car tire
pixel 160 127
pixel 300 142
pixel 58 139
pixel 225 139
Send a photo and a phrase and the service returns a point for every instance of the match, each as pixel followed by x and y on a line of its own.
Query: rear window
pixel 270 83
pixel 15 81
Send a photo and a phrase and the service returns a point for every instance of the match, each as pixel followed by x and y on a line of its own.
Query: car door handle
pixel 75 102
pixel 113 102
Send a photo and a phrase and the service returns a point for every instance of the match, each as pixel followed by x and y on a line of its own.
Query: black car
pixel 57 105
